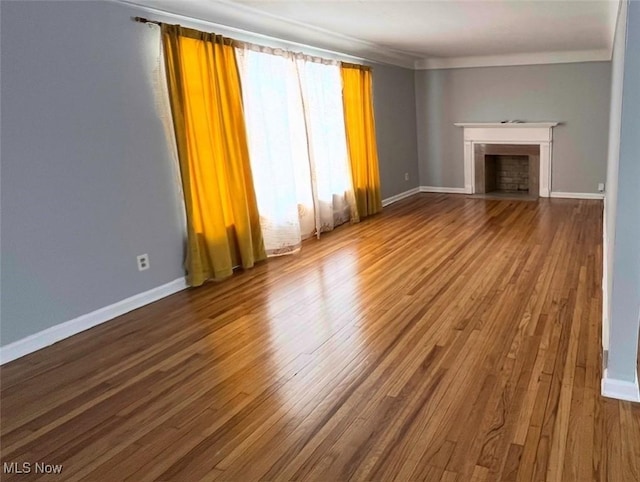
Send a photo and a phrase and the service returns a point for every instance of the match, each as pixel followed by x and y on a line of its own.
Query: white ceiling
pixel 425 34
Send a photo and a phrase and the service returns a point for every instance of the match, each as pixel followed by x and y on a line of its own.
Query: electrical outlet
pixel 601 187
pixel 143 262
pixel 406 176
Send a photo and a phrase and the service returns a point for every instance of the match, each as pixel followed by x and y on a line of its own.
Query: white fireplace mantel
pixel 509 133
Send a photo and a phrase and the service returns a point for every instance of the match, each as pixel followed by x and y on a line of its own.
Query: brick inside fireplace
pixel 507 168
pixel 506 173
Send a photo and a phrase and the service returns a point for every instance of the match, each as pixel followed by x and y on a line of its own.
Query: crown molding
pixel 249 24
pixel 253 25
pixel 535 58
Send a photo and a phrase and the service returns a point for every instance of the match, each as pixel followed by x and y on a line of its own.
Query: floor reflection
pixel 312 319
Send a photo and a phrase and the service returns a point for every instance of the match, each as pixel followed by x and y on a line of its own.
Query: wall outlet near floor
pixel 601 187
pixel 143 262
pixel 406 176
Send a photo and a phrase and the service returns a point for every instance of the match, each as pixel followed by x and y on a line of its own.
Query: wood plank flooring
pixel 447 339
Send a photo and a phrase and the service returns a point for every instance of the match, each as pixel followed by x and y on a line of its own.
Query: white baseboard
pixel 605 279
pixel 620 389
pixel 450 190
pixel 556 194
pixel 398 197
pixel 69 328
pixel 578 195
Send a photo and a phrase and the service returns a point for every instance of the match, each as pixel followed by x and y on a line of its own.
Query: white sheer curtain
pixel 322 99
pixel 297 145
pixel 278 149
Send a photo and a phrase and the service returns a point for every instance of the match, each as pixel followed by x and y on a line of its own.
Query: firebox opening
pixel 507 173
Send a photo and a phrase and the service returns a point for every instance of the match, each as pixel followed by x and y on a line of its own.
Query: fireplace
pixel 534 140
pixel 507 168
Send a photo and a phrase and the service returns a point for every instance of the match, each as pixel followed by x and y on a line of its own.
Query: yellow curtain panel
pixel 223 226
pixel 359 121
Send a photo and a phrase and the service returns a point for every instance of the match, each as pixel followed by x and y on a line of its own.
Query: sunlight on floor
pixel 326 334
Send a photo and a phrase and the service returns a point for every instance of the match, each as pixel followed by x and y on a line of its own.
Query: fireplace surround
pixel 533 139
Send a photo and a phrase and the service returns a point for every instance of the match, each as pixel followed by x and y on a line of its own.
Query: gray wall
pixel 87 182
pixel 625 299
pixel 575 94
pixel 613 155
pixel 87 179
pixel 395 111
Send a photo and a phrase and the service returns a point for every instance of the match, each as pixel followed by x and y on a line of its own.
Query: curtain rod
pixel 290 44
pixel 240 43
pixel 146 20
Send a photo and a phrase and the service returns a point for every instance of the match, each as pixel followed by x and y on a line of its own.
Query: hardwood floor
pixel 448 339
